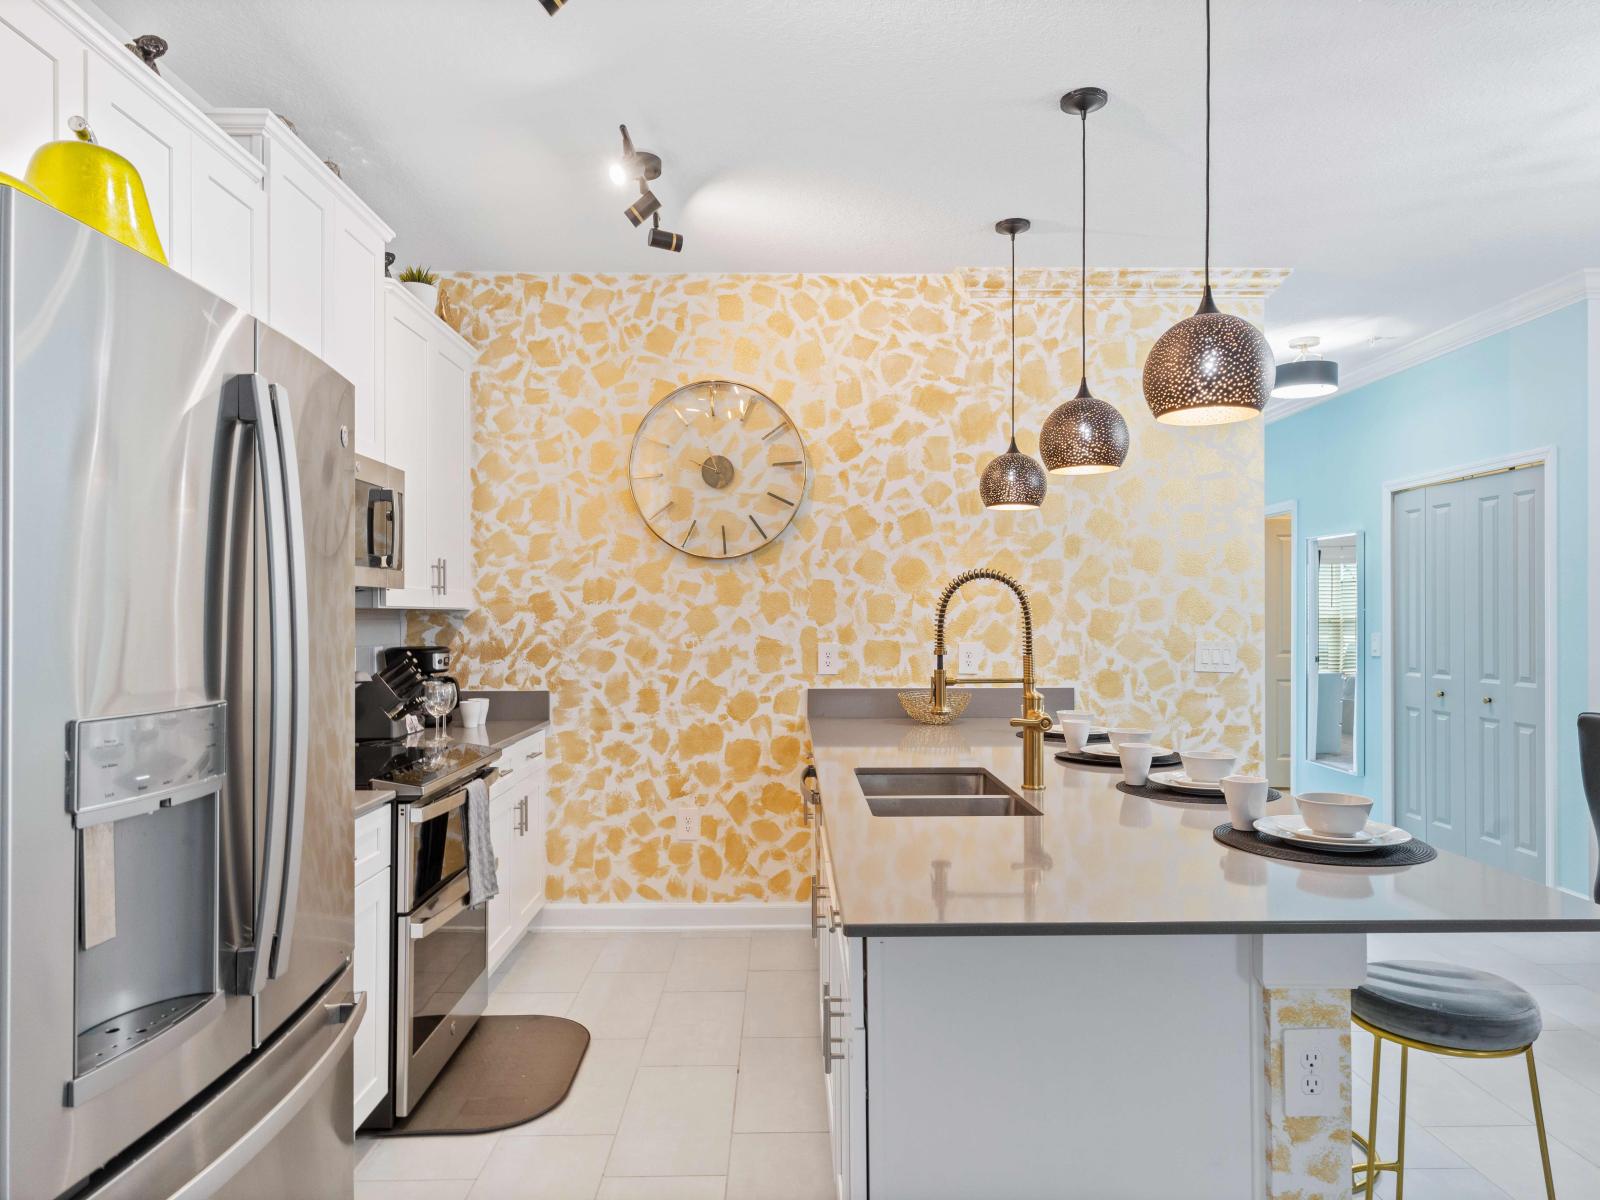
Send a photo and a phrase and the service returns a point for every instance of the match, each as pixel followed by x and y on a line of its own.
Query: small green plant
pixel 418 275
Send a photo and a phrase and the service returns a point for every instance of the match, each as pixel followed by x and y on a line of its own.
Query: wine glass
pixel 438 698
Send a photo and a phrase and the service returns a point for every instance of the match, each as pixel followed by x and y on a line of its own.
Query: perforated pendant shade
pixel 1083 436
pixel 1012 481
pixel 1209 369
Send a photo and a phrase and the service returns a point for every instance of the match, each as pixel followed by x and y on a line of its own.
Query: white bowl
pixel 1118 736
pixel 1334 812
pixel 1207 766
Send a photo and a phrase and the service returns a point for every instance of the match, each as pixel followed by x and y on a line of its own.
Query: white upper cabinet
pixel 41 81
pixel 355 324
pixel 427 395
pixel 228 225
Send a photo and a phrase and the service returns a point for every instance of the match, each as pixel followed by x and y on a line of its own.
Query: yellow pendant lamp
pixel 98 187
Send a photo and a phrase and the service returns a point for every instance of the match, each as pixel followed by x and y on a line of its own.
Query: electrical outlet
pixel 1311 1073
pixel 829 656
pixel 1220 658
pixel 1377 645
pixel 687 826
pixel 970 659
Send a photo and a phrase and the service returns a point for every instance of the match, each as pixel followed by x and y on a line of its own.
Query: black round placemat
pixel 1407 854
pixel 1173 795
pixel 1096 760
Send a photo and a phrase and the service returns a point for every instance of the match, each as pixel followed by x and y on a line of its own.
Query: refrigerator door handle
pixel 299 678
pixel 254 407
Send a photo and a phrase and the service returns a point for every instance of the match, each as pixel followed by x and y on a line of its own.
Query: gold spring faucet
pixel 1033 722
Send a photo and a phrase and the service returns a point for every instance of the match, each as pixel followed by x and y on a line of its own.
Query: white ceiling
pixel 1413 161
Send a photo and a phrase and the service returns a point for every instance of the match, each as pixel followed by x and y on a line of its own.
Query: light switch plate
pixel 970 658
pixel 687 826
pixel 1221 658
pixel 829 657
pixel 1311 1074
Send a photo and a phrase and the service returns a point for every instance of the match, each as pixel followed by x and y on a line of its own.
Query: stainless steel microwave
pixel 380 531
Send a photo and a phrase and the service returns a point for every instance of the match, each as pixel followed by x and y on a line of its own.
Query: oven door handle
pixel 444 908
pixel 427 812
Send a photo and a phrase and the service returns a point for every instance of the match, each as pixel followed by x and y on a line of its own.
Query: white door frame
pixel 1544 456
pixel 1290 509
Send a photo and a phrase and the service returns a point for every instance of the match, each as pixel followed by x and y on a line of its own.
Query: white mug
pixel 1075 734
pixel 1247 800
pixel 474 713
pixel 1136 758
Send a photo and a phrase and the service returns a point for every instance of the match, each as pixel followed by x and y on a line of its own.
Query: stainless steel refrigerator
pixel 176 578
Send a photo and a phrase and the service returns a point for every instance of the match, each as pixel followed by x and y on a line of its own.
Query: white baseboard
pixel 635 915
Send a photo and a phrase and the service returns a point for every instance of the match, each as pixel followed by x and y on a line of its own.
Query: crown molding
pixel 1541 301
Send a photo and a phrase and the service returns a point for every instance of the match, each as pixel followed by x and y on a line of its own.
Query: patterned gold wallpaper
pixel 679 680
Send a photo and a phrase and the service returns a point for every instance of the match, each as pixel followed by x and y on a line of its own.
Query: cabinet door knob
pixel 1488 699
pixel 1439 694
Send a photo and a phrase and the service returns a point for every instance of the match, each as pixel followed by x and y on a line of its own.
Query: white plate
pixel 1100 750
pixel 1179 782
pixel 1376 836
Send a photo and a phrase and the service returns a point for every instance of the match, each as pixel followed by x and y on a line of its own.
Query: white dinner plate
pixel 1100 750
pixel 1376 836
pixel 1180 782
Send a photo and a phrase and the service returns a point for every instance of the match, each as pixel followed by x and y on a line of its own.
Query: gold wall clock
pixel 718 470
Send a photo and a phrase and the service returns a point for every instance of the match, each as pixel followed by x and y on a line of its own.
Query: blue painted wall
pixel 1518 390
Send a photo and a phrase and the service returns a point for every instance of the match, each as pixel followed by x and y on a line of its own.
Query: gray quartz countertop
pixel 496 734
pixel 367 799
pixel 1100 861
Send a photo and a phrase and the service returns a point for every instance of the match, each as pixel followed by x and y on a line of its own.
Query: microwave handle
pixel 397 538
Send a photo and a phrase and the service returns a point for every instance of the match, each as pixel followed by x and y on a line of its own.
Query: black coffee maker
pixel 395 690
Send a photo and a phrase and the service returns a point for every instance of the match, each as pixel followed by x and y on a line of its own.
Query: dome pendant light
pixel 1013 480
pixel 1211 368
pixel 1084 435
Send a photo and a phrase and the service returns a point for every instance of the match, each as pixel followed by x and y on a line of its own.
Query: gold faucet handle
pixel 1040 722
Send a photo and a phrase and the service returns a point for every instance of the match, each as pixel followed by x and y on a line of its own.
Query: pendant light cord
pixel 1013 340
pixel 1208 146
pixel 1083 248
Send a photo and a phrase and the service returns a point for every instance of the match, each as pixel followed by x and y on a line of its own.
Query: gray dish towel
pixel 480 847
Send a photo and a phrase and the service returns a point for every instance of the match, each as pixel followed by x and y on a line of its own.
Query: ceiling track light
pixel 1211 368
pixel 553 6
pixel 1013 481
pixel 661 239
pixel 1308 374
pixel 1084 435
pixel 642 209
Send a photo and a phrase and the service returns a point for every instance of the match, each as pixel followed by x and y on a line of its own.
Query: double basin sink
pixel 939 792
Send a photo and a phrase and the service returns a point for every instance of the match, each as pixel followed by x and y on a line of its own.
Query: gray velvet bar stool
pixel 1440 1009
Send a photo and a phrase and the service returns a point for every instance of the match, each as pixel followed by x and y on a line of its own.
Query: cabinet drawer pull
pixel 828 1040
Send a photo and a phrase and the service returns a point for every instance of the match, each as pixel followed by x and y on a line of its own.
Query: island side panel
pixel 1074 1066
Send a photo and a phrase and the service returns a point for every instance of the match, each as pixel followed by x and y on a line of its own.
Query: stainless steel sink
pixel 939 792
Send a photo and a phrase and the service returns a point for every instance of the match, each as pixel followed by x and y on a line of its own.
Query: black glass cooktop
pixel 416 768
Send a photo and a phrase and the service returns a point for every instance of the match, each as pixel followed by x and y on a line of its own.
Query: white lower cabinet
pixel 374 916
pixel 516 825
pixel 841 984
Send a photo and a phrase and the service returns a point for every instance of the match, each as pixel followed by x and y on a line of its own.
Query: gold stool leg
pixel 1538 1120
pixel 1400 1157
pixel 1372 1119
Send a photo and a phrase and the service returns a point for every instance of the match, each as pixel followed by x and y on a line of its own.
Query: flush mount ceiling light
pixel 1211 368
pixel 1306 375
pixel 1084 435
pixel 1013 481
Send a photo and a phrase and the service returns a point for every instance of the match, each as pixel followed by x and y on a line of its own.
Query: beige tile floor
pixel 1469 1128
pixel 702 1081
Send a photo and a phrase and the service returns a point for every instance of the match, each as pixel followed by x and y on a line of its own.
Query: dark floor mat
pixel 508 1071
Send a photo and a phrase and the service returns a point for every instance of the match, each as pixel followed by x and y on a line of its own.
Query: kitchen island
pixel 1091 1001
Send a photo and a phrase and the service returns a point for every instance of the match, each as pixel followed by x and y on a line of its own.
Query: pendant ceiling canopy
pixel 1013 480
pixel 1211 368
pixel 1084 435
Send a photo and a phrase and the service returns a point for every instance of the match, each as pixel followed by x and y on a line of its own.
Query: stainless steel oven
pixel 379 519
pixel 441 948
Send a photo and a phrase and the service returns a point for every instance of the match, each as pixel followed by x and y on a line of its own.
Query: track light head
pixel 642 209
pixel 660 239
pixel 552 6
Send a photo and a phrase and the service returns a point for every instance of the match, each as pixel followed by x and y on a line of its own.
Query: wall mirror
pixel 1333 652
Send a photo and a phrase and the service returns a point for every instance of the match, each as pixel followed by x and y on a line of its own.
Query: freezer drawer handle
pixel 347 1014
